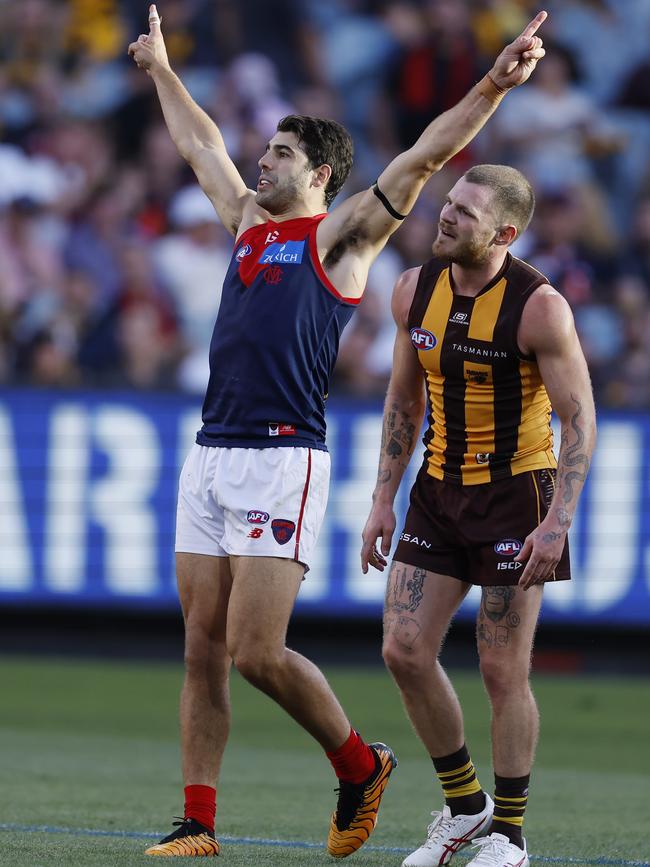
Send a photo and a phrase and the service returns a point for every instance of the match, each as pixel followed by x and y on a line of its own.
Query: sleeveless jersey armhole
pixel 424 290
pixel 536 279
pixel 320 271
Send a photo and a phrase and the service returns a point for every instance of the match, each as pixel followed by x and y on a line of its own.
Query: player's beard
pixel 280 196
pixel 467 254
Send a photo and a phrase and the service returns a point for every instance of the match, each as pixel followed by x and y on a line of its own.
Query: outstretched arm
pixel 403 179
pixel 547 330
pixel 403 413
pixel 445 136
pixel 195 135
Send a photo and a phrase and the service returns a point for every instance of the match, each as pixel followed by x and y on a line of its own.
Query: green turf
pixel 94 746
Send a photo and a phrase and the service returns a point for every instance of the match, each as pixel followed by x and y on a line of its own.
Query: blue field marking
pixel 289 844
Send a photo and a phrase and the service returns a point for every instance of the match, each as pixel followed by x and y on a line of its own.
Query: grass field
pixel 90 769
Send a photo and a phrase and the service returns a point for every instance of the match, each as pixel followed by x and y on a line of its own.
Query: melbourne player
pixel 493 347
pixel 254 487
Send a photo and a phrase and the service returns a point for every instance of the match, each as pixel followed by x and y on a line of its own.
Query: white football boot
pixel 497 851
pixel 448 834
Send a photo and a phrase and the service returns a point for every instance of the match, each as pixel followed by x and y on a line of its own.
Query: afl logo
pixel 244 251
pixel 422 339
pixel 255 517
pixel 508 547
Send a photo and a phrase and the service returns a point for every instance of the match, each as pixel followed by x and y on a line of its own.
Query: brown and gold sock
pixel 510 800
pixel 462 790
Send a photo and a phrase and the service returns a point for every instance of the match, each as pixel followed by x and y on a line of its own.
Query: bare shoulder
pixel 546 322
pixel 361 223
pixel 252 215
pixel 344 229
pixel 403 293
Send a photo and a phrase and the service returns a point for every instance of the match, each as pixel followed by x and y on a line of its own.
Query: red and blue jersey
pixel 275 341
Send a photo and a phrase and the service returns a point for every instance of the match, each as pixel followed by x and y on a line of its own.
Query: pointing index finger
pixel 154 19
pixel 532 27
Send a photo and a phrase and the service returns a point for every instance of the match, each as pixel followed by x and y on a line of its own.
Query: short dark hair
pixel 513 195
pixel 324 142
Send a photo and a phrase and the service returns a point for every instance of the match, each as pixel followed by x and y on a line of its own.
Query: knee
pixel 205 656
pixel 404 664
pixel 502 677
pixel 258 668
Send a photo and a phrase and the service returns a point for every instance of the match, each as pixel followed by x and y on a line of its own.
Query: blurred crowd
pixel 112 259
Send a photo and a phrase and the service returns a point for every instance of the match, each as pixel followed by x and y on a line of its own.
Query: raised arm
pixel 403 179
pixel 195 135
pixel 547 330
pixel 403 413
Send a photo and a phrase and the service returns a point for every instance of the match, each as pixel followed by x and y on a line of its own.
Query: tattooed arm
pixel 403 413
pixel 548 332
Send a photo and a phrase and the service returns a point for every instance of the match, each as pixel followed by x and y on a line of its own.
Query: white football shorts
pixel 252 502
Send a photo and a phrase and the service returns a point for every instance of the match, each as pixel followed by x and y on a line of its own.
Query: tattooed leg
pixel 505 629
pixel 418 608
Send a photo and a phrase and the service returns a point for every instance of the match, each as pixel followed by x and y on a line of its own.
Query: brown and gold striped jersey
pixel 489 413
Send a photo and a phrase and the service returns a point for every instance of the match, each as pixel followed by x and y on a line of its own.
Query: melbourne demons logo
pixel 273 275
pixel 244 251
pixel 508 547
pixel 283 530
pixel 422 339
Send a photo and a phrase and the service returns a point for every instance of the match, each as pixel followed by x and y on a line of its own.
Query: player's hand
pixel 380 524
pixel 517 61
pixel 149 50
pixel 542 549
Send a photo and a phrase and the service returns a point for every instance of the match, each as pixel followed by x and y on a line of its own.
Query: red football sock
pixel 354 761
pixel 201 804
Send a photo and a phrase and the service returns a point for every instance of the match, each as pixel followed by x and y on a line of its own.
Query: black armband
pixel 382 198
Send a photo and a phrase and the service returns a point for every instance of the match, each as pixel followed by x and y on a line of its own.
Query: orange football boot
pixel 189 838
pixel 356 811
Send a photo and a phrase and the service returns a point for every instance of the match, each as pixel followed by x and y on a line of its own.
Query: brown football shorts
pixel 474 532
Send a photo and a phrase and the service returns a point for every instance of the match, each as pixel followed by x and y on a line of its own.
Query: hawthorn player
pixel 494 347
